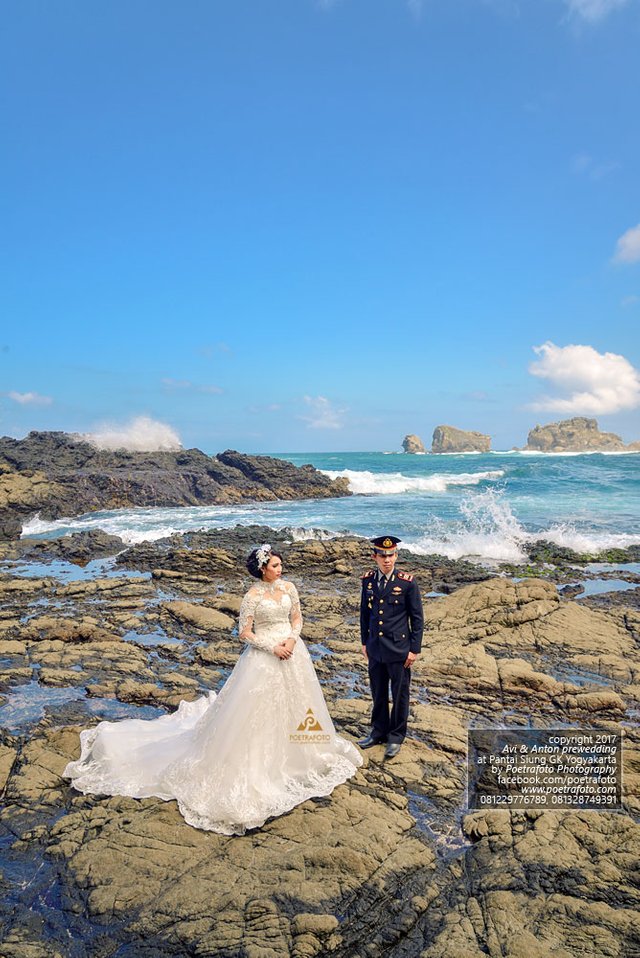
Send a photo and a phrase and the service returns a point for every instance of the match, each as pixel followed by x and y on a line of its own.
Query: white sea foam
pixel 116 524
pixel 393 483
pixel 149 525
pixel 489 531
pixel 299 534
pixel 589 542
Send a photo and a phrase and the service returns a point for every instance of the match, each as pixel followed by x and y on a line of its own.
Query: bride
pixel 262 745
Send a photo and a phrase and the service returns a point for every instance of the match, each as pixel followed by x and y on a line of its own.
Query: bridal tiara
pixel 263 554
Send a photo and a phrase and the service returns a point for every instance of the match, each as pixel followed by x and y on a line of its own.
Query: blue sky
pixel 306 225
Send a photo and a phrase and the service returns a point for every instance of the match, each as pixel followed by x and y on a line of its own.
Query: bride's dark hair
pixel 253 564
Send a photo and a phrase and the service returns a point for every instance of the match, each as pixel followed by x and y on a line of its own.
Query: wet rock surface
pixel 79 547
pixel 392 863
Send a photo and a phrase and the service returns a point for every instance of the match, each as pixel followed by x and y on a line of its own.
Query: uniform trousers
pixel 392 727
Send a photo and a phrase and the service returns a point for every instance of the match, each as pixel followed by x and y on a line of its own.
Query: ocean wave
pixel 490 532
pixel 148 525
pixel 300 534
pixel 588 542
pixel 480 524
pixel 393 483
pixel 115 525
pixel 487 531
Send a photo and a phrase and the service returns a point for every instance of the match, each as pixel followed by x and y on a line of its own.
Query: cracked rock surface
pixel 392 863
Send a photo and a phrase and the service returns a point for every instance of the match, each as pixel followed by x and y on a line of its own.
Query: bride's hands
pixel 282 651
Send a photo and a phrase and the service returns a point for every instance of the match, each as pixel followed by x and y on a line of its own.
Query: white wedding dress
pixel 259 747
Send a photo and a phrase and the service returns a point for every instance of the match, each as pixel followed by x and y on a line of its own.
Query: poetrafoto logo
pixel 307 731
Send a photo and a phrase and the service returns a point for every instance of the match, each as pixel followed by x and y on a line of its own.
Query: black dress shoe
pixel 392 749
pixel 371 740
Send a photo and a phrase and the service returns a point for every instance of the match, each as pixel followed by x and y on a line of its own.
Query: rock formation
pixel 55 474
pixel 413 444
pixel 575 435
pixel 392 863
pixel 450 439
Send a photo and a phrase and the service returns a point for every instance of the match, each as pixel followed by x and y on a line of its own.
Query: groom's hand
pixel 410 659
pixel 365 653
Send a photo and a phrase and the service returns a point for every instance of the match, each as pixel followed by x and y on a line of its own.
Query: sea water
pixel 483 506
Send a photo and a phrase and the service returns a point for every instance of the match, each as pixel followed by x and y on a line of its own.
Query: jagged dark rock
pixel 79 547
pixel 282 478
pixel 56 474
pixel 543 551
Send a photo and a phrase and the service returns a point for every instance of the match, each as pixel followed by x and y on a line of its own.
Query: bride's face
pixel 272 570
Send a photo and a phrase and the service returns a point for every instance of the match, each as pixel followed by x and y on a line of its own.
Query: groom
pixel 391 626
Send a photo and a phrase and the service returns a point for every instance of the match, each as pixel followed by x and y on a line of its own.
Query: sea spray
pixel 487 531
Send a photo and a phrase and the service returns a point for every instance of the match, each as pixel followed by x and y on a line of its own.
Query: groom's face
pixel 386 562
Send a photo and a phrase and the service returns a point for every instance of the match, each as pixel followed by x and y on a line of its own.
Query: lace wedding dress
pixel 259 747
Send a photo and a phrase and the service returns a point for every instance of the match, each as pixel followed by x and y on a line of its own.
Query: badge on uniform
pixel 396 589
pixel 370 586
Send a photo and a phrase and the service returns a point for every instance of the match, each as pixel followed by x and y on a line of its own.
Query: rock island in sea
pixel 450 439
pixel 576 435
pixel 393 863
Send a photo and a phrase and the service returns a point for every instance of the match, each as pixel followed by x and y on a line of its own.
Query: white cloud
pixel 323 414
pixel 593 383
pixel 141 434
pixel 593 10
pixel 30 399
pixel 628 246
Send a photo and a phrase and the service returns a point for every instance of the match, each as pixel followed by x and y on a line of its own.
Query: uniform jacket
pixel 391 621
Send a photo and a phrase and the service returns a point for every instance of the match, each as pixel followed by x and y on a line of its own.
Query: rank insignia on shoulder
pixel 368 575
pixel 405 576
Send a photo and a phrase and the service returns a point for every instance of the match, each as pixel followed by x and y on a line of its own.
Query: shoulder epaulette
pixel 405 576
pixel 368 575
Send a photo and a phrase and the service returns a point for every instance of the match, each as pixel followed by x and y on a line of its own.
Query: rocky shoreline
pixel 392 863
pixel 55 474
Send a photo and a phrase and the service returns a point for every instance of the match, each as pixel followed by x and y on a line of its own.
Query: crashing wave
pixel 394 483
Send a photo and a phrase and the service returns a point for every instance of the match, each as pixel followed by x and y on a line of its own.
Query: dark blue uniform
pixel 391 626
